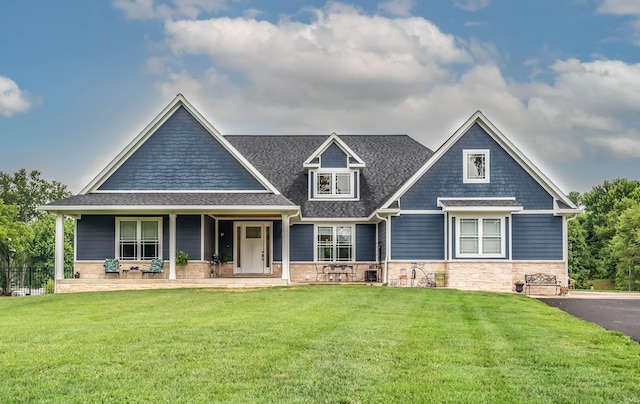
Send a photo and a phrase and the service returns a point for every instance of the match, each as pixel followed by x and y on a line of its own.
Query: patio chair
pixel 111 266
pixel 155 268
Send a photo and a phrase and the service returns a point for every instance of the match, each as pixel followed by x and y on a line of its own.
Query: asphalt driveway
pixel 613 311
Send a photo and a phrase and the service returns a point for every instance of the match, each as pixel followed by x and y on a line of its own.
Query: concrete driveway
pixel 611 310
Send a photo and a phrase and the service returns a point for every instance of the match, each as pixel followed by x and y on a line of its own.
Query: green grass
pixel 308 344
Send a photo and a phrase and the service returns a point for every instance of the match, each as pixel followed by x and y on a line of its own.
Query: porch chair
pixel 155 268
pixel 111 266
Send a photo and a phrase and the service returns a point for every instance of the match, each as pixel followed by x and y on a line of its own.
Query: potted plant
pixel 519 286
pixel 182 258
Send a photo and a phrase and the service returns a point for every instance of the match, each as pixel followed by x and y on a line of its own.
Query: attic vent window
pixel 476 166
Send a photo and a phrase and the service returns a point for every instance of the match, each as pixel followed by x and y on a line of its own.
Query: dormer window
pixel 334 184
pixel 475 166
pixel 334 171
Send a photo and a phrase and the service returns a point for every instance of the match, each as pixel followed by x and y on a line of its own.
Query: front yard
pixel 308 344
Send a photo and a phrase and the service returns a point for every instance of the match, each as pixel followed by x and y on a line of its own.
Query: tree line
pixel 27 235
pixel 604 242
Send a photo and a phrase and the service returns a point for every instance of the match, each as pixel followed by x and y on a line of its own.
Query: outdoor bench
pixel 541 280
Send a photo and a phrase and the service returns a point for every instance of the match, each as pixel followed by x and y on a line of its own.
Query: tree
pixel 625 247
pixel 581 264
pixel 41 250
pixel 604 204
pixel 28 191
pixel 15 237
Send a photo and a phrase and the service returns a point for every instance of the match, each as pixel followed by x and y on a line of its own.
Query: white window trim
pixel 480 254
pixel 465 163
pixel 138 220
pixel 313 190
pixel 334 242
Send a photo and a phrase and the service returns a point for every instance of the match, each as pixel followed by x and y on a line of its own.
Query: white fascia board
pixel 383 212
pixel 341 144
pixel 156 123
pixel 334 219
pixel 134 191
pixel 226 209
pixel 505 209
pixel 510 148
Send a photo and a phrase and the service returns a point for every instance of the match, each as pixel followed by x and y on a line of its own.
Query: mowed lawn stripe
pixel 308 344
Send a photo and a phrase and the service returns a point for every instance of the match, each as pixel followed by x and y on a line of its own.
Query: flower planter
pixel 519 287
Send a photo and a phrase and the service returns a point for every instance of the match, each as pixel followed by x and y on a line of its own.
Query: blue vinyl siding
pixel 188 235
pixel 96 237
pixel 301 242
pixel 417 237
pixel 445 179
pixel 181 155
pixel 209 236
pixel 382 241
pixel 333 157
pixel 537 237
pixel 225 240
pixel 277 240
pixel 365 242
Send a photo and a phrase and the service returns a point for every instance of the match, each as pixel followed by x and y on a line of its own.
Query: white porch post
pixel 285 248
pixel 172 246
pixel 59 247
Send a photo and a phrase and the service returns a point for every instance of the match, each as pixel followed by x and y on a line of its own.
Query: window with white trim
pixel 480 237
pixel 475 166
pixel 334 184
pixel 334 243
pixel 138 239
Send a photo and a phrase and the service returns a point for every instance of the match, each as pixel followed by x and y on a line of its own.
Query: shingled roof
pixel 184 200
pixel 390 160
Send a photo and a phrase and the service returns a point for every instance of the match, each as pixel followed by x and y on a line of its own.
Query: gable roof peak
pixel 179 101
pixel 313 161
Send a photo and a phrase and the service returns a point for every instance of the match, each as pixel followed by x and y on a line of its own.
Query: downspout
pixel 387 246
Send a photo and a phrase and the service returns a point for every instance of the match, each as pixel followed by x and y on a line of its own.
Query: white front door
pixel 253 248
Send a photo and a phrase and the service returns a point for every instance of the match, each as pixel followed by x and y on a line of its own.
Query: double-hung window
pixel 475 166
pixel 334 243
pixel 139 239
pixel 481 237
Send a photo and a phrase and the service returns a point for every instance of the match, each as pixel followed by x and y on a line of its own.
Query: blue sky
pixel 79 79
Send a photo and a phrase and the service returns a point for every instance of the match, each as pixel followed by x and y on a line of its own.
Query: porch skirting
pixel 94 285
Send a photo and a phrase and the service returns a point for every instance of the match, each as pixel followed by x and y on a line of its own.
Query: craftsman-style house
pixel 292 209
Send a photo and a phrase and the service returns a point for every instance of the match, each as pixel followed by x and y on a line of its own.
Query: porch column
pixel 172 246
pixel 59 247
pixel 285 248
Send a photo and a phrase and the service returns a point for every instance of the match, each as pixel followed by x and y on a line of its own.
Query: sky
pixel 560 78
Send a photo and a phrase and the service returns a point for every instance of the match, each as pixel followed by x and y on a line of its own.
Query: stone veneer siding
pixel 492 276
pixel 193 270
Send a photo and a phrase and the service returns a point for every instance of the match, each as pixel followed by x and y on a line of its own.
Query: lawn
pixel 308 344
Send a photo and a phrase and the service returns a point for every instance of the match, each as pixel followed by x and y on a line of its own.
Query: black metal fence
pixel 25 281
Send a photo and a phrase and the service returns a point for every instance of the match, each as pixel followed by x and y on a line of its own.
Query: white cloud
pixel 152 9
pixel 399 8
pixel 12 99
pixel 620 7
pixel 349 72
pixel 471 5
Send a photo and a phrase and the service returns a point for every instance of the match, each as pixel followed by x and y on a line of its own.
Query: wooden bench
pixel 541 280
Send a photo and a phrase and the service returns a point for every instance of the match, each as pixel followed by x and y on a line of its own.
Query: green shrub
pixel 49 286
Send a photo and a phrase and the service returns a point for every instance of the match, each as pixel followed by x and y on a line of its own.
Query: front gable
pixel 503 172
pixel 180 151
pixel 446 178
